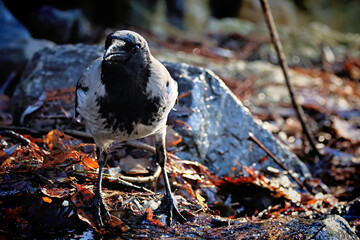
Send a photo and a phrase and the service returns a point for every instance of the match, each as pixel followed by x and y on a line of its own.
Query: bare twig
pixel 129 184
pixel 283 64
pixel 7 82
pixel 277 161
pixel 78 134
pixel 20 129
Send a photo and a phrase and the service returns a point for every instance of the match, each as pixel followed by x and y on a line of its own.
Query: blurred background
pixel 227 29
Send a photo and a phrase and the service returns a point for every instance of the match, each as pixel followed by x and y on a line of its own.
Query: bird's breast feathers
pixel 129 114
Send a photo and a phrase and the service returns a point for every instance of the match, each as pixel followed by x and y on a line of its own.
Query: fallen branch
pixel 130 184
pixel 277 161
pixel 23 130
pixel 78 134
pixel 283 64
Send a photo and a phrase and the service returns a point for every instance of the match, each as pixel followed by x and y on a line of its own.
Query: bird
pixel 127 94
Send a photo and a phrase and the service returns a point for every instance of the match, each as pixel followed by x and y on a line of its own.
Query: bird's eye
pixel 136 48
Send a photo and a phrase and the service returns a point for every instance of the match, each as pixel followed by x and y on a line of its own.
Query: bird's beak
pixel 116 52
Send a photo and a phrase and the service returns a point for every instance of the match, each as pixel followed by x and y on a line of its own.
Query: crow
pixel 127 94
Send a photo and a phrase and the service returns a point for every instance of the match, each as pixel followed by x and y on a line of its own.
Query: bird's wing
pixel 162 84
pixel 87 82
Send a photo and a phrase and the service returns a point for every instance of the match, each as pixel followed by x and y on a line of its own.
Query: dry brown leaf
pixel 134 166
pixel 56 192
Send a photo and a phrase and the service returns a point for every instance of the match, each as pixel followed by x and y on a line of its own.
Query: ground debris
pixel 53 179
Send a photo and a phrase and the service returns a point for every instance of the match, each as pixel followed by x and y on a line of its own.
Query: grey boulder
pixel 220 126
pixel 52 68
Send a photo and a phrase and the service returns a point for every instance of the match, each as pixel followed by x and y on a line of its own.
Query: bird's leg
pixel 99 200
pixel 168 203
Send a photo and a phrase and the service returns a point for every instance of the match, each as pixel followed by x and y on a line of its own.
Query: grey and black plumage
pixel 127 94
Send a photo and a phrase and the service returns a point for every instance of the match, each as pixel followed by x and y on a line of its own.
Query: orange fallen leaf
pixel 311 202
pixel 149 214
pixel 52 139
pixel 149 217
pixel 6 162
pixel 47 199
pixel 89 162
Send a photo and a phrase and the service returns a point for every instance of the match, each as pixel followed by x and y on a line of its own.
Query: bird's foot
pixel 101 209
pixel 168 206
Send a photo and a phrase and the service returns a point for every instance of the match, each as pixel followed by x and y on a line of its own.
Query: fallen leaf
pixel 149 217
pixel 83 196
pixel 134 166
pixel 87 217
pixel 53 141
pixel 47 199
pixel 56 192
pixel 201 201
pixel 6 162
pixel 89 162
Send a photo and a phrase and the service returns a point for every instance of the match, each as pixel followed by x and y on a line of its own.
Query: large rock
pixel 16 44
pixel 219 123
pixel 52 68
pixel 334 227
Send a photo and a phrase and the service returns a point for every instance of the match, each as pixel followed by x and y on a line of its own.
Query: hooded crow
pixel 127 94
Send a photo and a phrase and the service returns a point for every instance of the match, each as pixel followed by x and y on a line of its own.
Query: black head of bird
pixel 125 47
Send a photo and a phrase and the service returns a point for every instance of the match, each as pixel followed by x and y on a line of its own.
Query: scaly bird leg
pixel 168 205
pixel 100 206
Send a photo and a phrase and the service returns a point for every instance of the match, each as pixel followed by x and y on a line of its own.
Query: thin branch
pixel 277 161
pixel 130 184
pixel 23 130
pixel 78 134
pixel 283 64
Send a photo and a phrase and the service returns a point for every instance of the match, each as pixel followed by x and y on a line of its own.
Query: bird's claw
pixel 170 209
